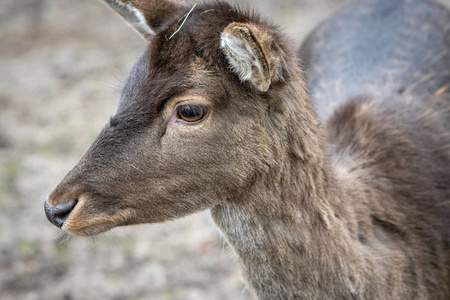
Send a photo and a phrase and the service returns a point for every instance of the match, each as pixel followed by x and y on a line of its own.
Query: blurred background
pixel 62 63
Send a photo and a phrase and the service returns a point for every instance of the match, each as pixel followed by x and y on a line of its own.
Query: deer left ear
pixel 249 51
pixel 146 16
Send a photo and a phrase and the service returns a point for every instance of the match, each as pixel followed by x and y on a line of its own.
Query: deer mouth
pixel 82 224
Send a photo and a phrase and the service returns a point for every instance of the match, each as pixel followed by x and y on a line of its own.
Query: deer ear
pixel 144 16
pixel 248 49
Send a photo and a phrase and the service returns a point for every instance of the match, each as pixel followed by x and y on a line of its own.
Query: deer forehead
pixel 161 93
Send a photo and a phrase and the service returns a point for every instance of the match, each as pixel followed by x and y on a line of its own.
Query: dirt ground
pixel 62 63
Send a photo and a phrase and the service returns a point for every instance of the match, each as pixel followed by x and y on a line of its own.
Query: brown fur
pixel 355 209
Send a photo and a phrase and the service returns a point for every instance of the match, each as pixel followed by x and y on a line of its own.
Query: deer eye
pixel 191 113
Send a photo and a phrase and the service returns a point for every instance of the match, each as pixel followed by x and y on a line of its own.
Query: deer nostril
pixel 58 214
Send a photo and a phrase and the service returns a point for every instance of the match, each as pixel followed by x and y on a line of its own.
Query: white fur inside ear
pixel 132 15
pixel 243 60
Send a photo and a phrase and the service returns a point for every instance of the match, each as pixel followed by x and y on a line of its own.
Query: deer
pixel 327 171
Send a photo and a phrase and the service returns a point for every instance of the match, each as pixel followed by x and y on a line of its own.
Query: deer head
pixel 195 122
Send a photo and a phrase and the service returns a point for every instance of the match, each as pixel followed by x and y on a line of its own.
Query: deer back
pixel 380 48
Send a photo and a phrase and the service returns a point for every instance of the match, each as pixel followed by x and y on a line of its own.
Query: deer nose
pixel 58 214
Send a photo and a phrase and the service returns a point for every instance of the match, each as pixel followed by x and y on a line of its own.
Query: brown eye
pixel 191 113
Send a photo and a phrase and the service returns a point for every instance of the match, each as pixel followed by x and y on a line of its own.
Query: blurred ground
pixel 61 67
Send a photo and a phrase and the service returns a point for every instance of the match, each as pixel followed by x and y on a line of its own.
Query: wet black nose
pixel 58 214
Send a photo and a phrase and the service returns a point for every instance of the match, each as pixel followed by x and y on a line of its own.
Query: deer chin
pixel 89 226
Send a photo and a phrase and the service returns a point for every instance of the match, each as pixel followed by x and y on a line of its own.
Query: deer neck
pixel 291 231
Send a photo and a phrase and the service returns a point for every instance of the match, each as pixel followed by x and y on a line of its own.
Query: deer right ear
pixel 250 52
pixel 146 16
